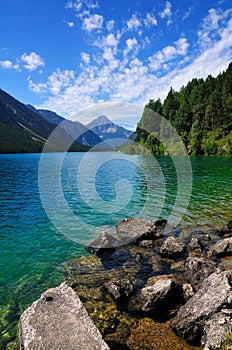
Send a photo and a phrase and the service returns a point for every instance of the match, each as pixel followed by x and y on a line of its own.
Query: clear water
pixel 87 192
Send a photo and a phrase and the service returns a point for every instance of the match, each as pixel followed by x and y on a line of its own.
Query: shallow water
pixel 81 193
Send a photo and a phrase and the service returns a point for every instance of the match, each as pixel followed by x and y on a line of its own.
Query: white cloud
pixel 6 64
pixel 92 22
pixel 59 80
pixel 132 44
pixel 39 88
pixel 211 27
pixel 70 24
pixel 168 53
pixel 85 57
pixel 150 20
pixel 110 25
pixel 188 13
pixel 79 4
pixel 167 12
pixel 133 23
pixel 33 61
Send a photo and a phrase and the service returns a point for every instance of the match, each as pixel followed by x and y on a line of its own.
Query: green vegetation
pixel 25 131
pixel 201 113
pixel 227 344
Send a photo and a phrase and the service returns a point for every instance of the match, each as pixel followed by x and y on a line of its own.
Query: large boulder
pixel 172 248
pixel 215 330
pixel 132 229
pixel 161 296
pixel 214 296
pixel 222 247
pixel 58 320
pixel 197 269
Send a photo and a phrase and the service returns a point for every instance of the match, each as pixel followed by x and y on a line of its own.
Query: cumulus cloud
pixel 133 23
pixel 131 44
pixel 150 20
pixel 6 64
pixel 85 57
pixel 168 53
pixel 110 25
pixel 167 12
pixel 32 61
pixel 92 22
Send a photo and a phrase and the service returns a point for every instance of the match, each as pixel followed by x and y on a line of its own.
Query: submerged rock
pixel 172 248
pixel 58 320
pixel 214 296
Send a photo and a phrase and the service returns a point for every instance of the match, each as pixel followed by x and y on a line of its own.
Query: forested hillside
pixel 201 113
pixel 22 130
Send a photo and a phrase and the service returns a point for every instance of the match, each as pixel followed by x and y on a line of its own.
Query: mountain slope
pixel 24 131
pixel 108 131
pixel 77 130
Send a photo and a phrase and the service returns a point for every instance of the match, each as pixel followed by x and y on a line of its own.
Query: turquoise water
pixel 88 192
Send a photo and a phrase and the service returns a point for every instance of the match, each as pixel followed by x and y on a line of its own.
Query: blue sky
pixel 83 58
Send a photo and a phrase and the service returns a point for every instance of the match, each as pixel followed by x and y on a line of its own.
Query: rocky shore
pixel 147 287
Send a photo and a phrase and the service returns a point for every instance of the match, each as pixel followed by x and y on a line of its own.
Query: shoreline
pixel 98 279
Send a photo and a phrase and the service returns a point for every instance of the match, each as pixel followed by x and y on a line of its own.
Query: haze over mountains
pixel 24 129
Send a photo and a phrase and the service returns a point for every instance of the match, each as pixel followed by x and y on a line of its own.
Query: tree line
pixel 201 114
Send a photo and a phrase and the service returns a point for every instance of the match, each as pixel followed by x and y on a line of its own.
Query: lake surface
pixel 51 207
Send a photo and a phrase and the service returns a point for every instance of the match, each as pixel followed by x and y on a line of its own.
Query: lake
pixel 52 206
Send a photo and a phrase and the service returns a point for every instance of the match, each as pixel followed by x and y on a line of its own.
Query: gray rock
pixel 195 245
pixel 138 229
pixel 103 242
pixel 58 320
pixel 215 330
pixel 222 247
pixel 163 295
pixel 146 243
pixel 172 248
pixel 120 289
pixel 214 295
pixel 197 269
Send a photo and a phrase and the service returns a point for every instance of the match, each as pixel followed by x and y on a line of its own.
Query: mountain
pixel 77 130
pixel 112 133
pixel 201 113
pixel 23 130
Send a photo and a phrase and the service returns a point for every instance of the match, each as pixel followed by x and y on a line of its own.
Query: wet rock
pixel 119 289
pixel 195 246
pixel 146 243
pixel 172 248
pixel 215 330
pixel 104 242
pixel 138 229
pixel 58 320
pixel 229 225
pixel 222 247
pixel 197 269
pixel 161 296
pixel 214 295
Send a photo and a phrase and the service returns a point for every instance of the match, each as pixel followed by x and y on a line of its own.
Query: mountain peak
pixel 101 120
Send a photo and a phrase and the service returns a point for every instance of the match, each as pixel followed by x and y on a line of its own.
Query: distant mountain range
pixel 113 134
pixel 24 129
